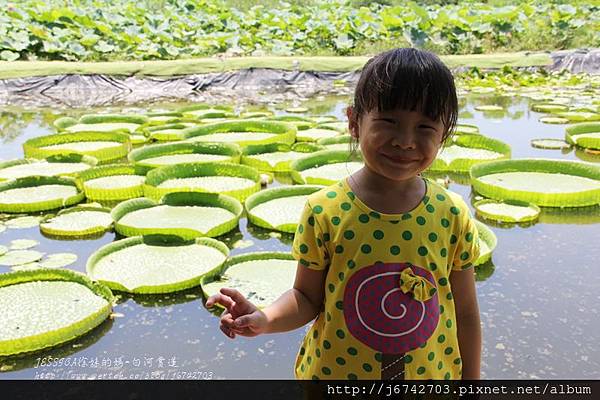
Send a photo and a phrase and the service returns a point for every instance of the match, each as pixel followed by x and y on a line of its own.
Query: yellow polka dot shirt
pixel 387 288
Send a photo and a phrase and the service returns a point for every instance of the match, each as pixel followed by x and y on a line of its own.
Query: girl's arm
pixel 467 321
pixel 291 310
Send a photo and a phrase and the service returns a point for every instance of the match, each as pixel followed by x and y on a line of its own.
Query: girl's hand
pixel 241 317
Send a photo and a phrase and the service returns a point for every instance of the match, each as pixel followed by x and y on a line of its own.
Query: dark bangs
pixel 408 79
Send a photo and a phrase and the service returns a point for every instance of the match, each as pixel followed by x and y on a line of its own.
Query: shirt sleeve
pixel 309 246
pixel 467 246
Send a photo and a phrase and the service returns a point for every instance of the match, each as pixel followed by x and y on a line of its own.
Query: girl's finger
pixel 234 295
pixel 223 300
pixel 227 332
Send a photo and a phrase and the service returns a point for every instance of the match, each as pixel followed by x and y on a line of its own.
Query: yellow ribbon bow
pixel 418 287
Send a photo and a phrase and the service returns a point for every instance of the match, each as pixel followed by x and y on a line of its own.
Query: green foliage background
pixel 96 30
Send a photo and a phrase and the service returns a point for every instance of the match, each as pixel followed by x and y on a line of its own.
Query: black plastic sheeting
pixel 253 85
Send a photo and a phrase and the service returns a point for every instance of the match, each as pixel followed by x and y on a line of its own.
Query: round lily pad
pixel 552 144
pixel 489 108
pixel 23 244
pixel 77 222
pixel 507 211
pixel 3 250
pixel 188 215
pixel 298 110
pixel 261 277
pixel 112 182
pixel 25 222
pixel 314 134
pixel 325 167
pixel 243 132
pixel 44 308
pixel 19 257
pixel 554 120
pixel 38 193
pixel 235 180
pixel 585 135
pixel 69 165
pixel 104 146
pixel 466 129
pixel 156 263
pixel 549 107
pixel 160 155
pixel 279 208
pixel 544 182
pixel 274 157
pixel 58 260
pixel 487 243
pixel 466 150
pixel 579 116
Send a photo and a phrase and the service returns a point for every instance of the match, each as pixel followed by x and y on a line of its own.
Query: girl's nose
pixel 404 140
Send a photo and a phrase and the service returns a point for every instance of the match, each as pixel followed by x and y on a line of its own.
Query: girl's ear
pixel 352 122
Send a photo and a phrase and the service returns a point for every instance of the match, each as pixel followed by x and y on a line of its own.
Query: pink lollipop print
pixel 379 314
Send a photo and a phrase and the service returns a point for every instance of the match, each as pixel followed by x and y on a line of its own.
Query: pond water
pixel 539 298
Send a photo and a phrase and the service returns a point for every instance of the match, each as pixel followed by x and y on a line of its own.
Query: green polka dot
pixel 453 239
pixel 340 361
pixel 351 264
pixel 440 365
pixel 340 333
pixel 349 234
pixel 304 262
pixel 318 209
pixel 421 370
pixel 328 317
pixel 341 276
pixel 365 248
pixel 454 210
pixel 395 221
pixel 422 345
pixel 406 216
pixel 421 220
pixel 303 248
pixel 326 237
pixel 378 357
pixel 375 214
pixel 309 360
pixel 422 250
pixel 440 197
pixel 331 195
pixel 318 353
pixel 447 376
pixel 443 281
pixel 441 309
pixel 339 305
pixel 469 236
pixel 352 351
pixel 432 291
pixel 336 220
pixel 449 296
pixel 351 195
pixel 430 208
pixel 315 334
pixel 319 242
pixel 364 218
pixel 345 206
pixel 448 350
pixel 406 235
pixel 449 323
pixel 464 255
pixel 431 356
pixel 300 228
pixel 445 223
pixel 315 378
pixel 302 351
pixel 367 367
pixel 378 234
pixel 326 371
pixel 311 221
pixel 457 361
pixel 326 344
pixel 444 252
pixel 339 249
pixel 352 377
pixel 432 237
pixel 432 266
pixel 395 250
pixel 425 199
pixel 441 338
pixel 407 359
pixel 331 287
pixel 302 367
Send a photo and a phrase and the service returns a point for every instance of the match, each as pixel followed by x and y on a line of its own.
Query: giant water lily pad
pixel 325 167
pixel 586 135
pixel 104 127
pixel 19 257
pixel 44 308
pixel 279 208
pixel 544 182
pixel 160 155
pixel 104 146
pixel 38 193
pixel 156 263
pixel 261 277
pixel 552 144
pixel 112 182
pixel 55 166
pixel 467 150
pixel 58 260
pixel 487 243
pixel 314 134
pixel 235 180
pixel 188 215
pixel 77 222
pixel 243 132
pixel 275 157
pixel 507 211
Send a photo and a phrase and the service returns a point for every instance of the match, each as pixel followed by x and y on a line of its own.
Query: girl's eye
pixel 427 127
pixel 391 121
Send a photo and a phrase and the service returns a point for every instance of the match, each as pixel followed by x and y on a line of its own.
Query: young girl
pixel 384 256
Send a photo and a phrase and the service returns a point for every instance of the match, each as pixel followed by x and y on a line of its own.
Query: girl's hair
pixel 409 79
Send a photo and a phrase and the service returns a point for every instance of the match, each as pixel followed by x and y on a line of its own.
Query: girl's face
pixel 397 144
